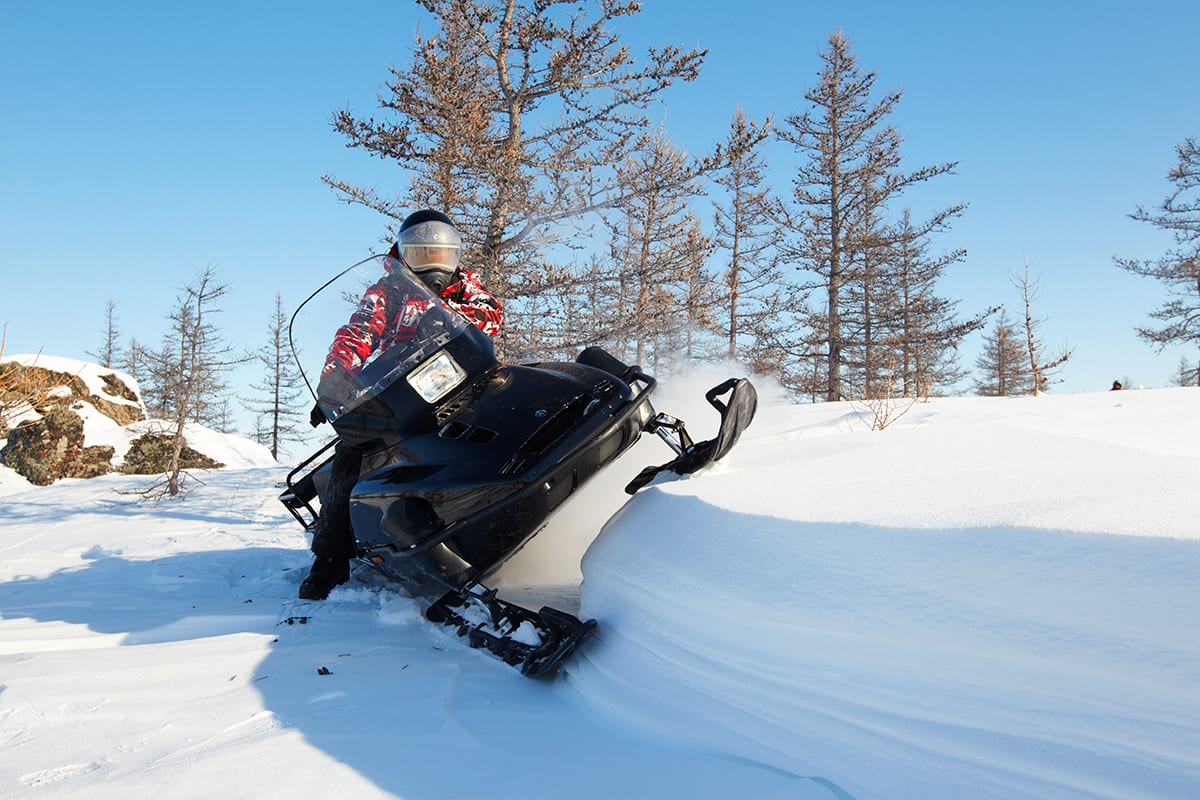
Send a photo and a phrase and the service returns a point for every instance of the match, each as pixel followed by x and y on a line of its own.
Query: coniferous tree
pixel 834 140
pixel 927 331
pixel 109 353
pixel 511 118
pixel 1178 269
pixel 221 417
pixel 1003 363
pixel 869 299
pixel 158 368
pixel 807 366
pixel 842 191
pixel 278 405
pixel 1186 374
pixel 699 297
pixel 584 311
pixel 133 362
pixel 747 235
pixel 658 250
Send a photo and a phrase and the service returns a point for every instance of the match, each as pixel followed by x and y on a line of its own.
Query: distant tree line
pixel 1177 321
pixel 530 124
pixel 184 379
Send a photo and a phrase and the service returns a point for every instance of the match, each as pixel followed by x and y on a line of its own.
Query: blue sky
pixel 143 141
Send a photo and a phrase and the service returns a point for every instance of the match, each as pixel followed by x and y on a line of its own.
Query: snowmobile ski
pixel 536 643
pixel 737 412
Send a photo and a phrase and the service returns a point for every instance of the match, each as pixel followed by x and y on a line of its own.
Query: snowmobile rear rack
pixel 302 490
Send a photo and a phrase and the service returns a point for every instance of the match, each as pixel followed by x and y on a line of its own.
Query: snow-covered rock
pixel 76 419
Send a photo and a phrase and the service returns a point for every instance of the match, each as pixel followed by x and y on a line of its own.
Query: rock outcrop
pixel 51 386
pixel 51 447
pixel 150 453
pixel 51 407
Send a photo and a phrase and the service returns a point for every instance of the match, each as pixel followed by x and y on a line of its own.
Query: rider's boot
pixel 326 573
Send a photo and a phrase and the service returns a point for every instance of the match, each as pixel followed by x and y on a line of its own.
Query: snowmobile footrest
pixel 534 642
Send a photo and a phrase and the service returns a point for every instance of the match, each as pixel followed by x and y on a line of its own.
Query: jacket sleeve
pixel 468 297
pixel 404 326
pixel 356 340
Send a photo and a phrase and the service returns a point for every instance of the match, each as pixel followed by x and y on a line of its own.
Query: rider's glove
pixel 334 390
pixel 316 416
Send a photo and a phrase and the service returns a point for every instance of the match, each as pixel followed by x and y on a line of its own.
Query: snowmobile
pixel 467 457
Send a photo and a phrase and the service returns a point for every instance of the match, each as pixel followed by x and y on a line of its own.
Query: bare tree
pixel 20 389
pixel 1186 374
pixel 187 371
pixel 882 402
pixel 133 362
pixel 651 294
pixel 583 311
pixel 277 406
pixel 699 294
pixel 1041 365
pixel 835 138
pixel 109 352
pixel 1178 269
pixel 869 299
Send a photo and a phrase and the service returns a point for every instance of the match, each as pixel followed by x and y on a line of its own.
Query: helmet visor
pixel 422 257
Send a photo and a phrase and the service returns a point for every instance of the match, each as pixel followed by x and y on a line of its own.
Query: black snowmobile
pixel 467 457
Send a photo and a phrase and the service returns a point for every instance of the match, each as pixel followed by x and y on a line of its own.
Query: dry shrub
pixel 21 389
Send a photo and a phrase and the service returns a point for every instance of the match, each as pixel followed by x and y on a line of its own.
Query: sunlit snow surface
pixel 993 598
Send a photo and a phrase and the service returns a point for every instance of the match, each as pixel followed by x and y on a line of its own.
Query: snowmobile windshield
pixel 376 326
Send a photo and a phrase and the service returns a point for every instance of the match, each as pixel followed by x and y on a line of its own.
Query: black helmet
pixel 429 245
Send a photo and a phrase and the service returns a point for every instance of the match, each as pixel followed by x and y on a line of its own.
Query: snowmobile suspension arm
pixel 671 431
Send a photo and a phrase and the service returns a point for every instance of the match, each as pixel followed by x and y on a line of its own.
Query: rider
pixel 429 245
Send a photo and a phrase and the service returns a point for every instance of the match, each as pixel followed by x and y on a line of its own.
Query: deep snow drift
pixel 993 598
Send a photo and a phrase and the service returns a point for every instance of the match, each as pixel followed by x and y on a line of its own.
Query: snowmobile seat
pixel 600 358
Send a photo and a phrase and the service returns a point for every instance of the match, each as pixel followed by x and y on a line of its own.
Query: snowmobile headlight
pixel 437 377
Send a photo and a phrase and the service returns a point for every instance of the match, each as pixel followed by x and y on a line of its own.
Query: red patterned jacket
pixel 385 317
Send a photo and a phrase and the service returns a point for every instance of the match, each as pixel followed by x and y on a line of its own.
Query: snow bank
pixel 991 599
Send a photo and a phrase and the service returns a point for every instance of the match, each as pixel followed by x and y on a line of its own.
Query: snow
pixel 992 598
